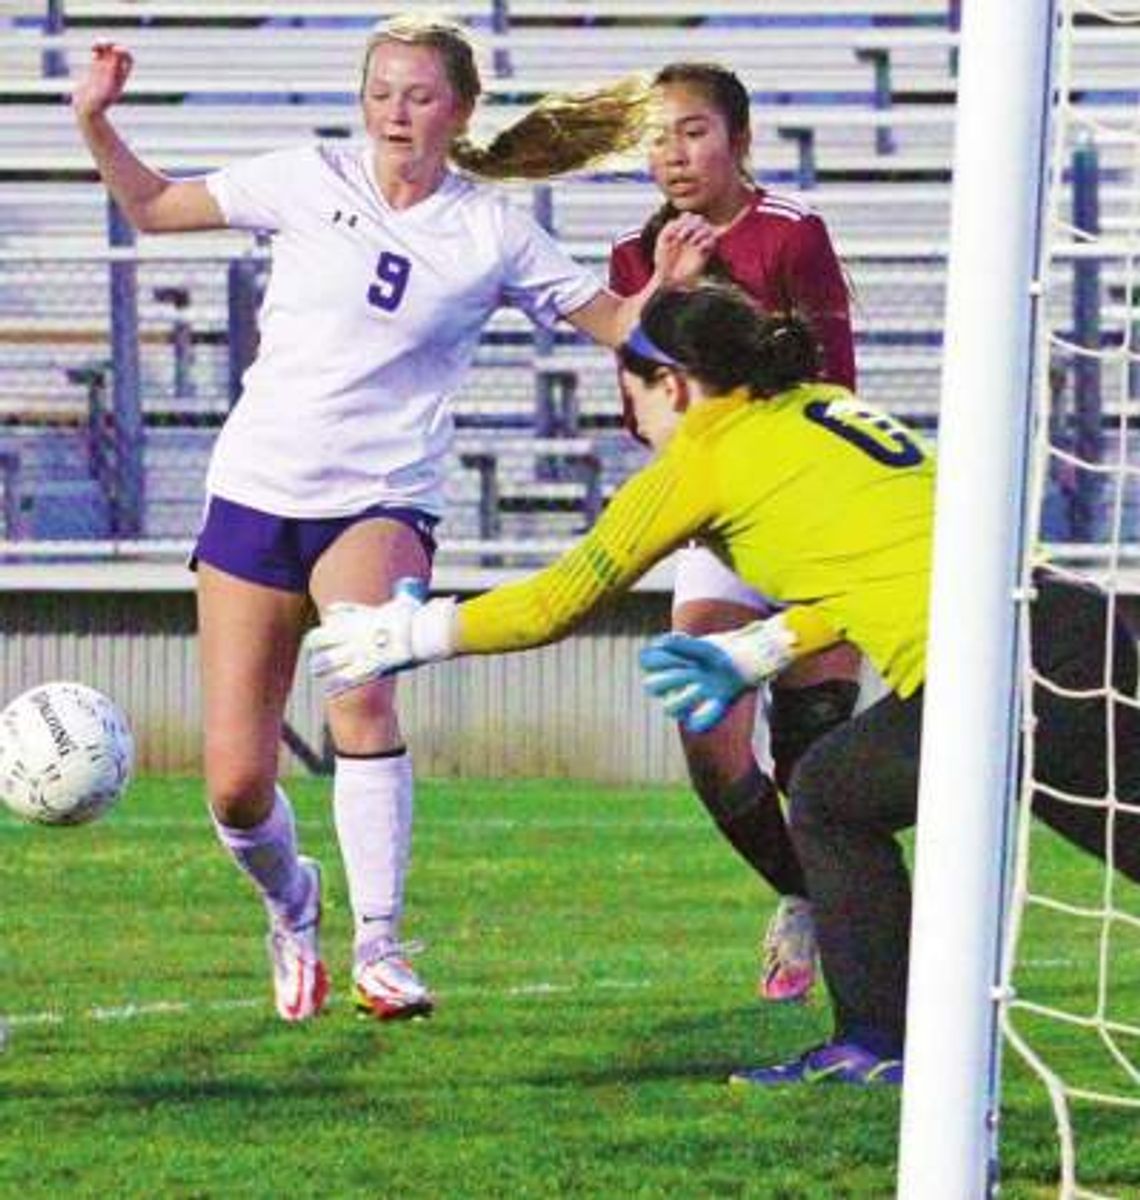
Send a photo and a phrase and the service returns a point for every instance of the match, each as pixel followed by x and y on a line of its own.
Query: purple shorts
pixel 280 552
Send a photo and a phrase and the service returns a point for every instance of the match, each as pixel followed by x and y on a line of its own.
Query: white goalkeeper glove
pixel 697 679
pixel 356 643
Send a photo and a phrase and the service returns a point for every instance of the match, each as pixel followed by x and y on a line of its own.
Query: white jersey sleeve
pixel 252 193
pixel 540 277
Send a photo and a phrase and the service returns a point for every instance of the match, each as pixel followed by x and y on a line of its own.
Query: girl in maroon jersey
pixel 779 252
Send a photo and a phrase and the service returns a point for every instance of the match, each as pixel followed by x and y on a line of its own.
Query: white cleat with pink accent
pixel 387 989
pixel 789 952
pixel 300 981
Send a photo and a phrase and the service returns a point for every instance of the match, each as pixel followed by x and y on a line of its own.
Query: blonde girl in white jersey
pixel 325 483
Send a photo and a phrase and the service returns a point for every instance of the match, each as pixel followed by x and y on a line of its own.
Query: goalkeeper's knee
pixel 799 717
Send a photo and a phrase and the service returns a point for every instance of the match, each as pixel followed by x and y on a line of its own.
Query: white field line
pixel 194 824
pixel 163 1008
pixel 180 1008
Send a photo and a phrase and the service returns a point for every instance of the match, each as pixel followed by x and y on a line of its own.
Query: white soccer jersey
pixel 369 324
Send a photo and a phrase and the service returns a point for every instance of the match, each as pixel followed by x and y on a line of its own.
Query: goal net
pixel 1043 286
pixel 1072 951
pixel 1071 983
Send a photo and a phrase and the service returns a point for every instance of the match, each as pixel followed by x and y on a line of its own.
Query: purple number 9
pixel 392 271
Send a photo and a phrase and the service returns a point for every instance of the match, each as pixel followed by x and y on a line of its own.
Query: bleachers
pixel 326 60
pixel 852 112
pixel 207 13
pixel 305 80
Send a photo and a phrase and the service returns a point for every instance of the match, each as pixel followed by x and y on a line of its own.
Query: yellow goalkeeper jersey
pixel 811 497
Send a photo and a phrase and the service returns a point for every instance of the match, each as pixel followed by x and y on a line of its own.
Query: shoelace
pixel 399 952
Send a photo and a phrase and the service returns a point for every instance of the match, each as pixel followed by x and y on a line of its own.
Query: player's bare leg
pixel 248 637
pixel 373 789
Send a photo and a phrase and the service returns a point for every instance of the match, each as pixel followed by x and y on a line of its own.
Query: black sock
pixel 750 816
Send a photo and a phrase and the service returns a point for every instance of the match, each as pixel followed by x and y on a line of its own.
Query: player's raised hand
pixel 106 77
pixel 684 246
pixel 356 643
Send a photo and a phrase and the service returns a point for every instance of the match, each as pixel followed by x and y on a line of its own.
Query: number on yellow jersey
pixel 875 433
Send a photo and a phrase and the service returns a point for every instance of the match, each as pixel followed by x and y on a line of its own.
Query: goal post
pixel 969 737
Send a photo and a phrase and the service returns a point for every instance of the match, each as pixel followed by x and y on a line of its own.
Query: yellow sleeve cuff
pixel 811 629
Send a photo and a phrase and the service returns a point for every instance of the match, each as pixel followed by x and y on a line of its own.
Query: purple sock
pixel 267 853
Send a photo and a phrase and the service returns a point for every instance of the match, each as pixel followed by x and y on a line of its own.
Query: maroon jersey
pixel 780 253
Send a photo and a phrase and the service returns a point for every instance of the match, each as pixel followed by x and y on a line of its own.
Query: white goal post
pixel 949 1098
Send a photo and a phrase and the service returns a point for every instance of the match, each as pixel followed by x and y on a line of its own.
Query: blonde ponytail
pixel 562 132
pixel 565 131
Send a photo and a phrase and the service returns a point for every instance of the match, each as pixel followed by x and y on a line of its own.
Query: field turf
pixel 593 950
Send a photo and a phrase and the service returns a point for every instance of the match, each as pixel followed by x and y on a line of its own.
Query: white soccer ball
pixel 66 754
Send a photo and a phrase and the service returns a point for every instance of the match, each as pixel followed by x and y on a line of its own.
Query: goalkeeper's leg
pixel 852 792
pixel 808 702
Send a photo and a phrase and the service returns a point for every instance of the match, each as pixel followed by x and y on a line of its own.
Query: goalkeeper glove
pixel 356 643
pixel 697 679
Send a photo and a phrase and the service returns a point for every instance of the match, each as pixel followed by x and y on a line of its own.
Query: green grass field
pixel 593 951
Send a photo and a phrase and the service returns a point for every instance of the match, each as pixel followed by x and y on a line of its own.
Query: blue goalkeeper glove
pixel 697 679
pixel 356 643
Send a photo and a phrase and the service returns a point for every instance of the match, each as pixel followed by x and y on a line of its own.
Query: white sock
pixel 267 853
pixel 372 808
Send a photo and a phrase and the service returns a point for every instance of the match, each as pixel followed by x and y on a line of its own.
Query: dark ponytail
pixel 718 335
pixel 787 354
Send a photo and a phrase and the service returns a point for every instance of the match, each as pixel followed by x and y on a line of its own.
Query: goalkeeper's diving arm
pixel 697 678
pixel 356 643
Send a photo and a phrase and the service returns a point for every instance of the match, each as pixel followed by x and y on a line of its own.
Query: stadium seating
pixel 852 111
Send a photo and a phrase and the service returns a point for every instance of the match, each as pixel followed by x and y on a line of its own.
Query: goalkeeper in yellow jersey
pixel 825 504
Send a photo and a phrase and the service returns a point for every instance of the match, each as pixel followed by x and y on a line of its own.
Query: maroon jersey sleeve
pixel 814 283
pixel 629 273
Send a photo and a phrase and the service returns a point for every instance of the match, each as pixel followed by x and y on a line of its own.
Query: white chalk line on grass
pixel 166 1008
pixel 510 823
pixel 180 1008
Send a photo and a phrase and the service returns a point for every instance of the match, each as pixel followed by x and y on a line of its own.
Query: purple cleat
pixel 834 1062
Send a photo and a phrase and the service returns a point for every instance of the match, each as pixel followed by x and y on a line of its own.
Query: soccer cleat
pixel 388 989
pixel 788 952
pixel 835 1062
pixel 300 981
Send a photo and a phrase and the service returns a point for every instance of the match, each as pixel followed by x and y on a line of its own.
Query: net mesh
pixel 1071 983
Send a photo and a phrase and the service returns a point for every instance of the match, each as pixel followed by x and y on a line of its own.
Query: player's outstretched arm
pixel 683 250
pixel 697 679
pixel 356 643
pixel 149 200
